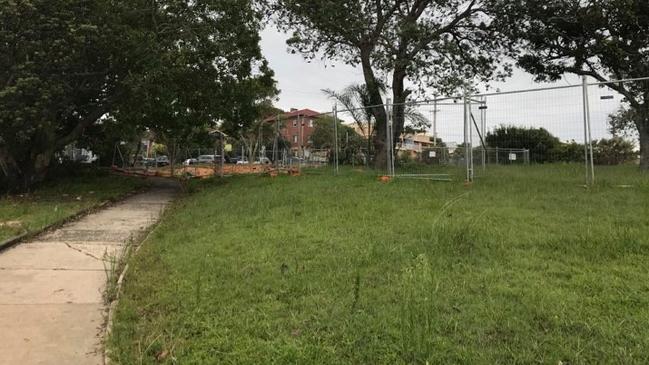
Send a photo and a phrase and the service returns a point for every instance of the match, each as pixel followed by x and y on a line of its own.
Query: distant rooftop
pixel 294 113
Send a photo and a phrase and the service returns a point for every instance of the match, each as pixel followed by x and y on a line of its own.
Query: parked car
pixel 87 159
pixel 205 159
pixel 162 160
pixel 238 160
pixel 263 161
pixel 190 161
pixel 147 161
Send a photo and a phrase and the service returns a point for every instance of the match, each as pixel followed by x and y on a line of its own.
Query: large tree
pixel 443 44
pixel 355 97
pixel 54 80
pixel 164 65
pixel 604 39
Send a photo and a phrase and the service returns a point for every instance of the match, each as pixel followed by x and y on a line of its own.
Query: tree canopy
pixel 538 141
pixel 438 44
pixel 162 65
pixel 603 39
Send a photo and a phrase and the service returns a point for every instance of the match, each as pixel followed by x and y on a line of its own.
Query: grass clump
pixel 59 199
pixel 525 266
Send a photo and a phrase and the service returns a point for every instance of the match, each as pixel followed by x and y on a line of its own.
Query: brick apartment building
pixel 296 127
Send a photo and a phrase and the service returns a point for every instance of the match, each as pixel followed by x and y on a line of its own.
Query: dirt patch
pixel 198 171
pixel 11 224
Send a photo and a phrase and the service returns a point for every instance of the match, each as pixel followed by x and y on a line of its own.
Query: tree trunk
pixel 399 95
pixel 642 125
pixel 137 153
pixel 23 171
pixel 21 175
pixel 380 160
pixel 10 170
pixel 37 169
pixel 643 131
pixel 369 143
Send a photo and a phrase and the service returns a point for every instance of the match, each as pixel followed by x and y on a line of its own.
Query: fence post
pixel 276 143
pixel 466 137
pixel 214 161
pixel 389 138
pixel 222 153
pixel 588 141
pixel 483 132
pixel 392 147
pixel 469 106
pixel 435 121
pixel 335 113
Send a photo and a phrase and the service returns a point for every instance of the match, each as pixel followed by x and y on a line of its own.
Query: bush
pixel 568 152
pixel 538 141
pixel 614 151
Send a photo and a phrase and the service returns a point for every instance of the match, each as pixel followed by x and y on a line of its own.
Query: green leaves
pixel 164 65
pixel 605 40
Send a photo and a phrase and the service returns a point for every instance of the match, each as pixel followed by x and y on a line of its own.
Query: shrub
pixel 568 152
pixel 538 141
pixel 614 151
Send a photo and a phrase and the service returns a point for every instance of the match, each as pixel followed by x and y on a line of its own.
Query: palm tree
pixel 355 98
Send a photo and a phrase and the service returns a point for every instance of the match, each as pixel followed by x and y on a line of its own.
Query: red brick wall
pixel 292 128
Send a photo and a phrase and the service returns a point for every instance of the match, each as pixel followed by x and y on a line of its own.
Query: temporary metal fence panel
pixel 615 138
pixel 302 139
pixel 431 144
pixel 520 128
pixel 569 128
pixel 355 138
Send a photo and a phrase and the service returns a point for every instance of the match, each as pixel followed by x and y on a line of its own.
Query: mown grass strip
pixel 524 266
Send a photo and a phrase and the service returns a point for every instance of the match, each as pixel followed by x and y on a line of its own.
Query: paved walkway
pixel 51 305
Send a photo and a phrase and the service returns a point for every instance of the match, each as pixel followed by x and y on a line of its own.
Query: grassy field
pixel 57 200
pixel 524 267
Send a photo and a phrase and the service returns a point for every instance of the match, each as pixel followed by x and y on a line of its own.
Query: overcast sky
pixel 301 82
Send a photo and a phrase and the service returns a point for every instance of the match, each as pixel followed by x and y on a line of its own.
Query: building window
pixel 295 138
pixel 310 123
pixel 295 123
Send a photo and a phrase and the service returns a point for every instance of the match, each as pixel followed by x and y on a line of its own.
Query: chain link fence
pixel 574 130
pixel 579 131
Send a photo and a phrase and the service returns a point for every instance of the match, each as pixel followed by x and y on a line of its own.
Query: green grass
pixel 57 200
pixel 526 266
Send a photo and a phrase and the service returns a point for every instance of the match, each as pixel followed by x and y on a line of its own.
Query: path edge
pixel 15 240
pixel 136 243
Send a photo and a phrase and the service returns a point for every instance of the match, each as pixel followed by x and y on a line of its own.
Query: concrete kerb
pixel 112 307
pixel 12 241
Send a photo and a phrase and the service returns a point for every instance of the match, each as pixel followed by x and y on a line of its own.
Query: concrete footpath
pixel 51 288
